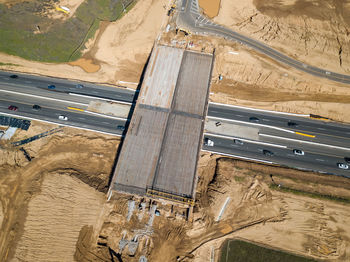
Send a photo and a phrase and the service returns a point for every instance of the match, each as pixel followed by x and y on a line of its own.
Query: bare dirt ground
pixel 315 32
pixel 210 8
pixel 46 202
pixel 118 51
pixel 295 223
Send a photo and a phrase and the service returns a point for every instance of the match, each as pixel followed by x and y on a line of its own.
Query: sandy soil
pixel 47 201
pixel 298 224
pixel 315 32
pixel 210 7
pixel 285 221
pixel 256 81
pixel 118 52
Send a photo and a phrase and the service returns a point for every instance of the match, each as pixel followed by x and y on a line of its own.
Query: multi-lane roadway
pixel 324 144
pixel 190 18
pixel 273 137
pixel 68 98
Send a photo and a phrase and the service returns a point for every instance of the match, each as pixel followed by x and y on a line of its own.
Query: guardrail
pixel 170 196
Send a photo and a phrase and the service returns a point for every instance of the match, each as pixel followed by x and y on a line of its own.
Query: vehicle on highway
pixel 208 142
pixel 13 108
pixel 36 107
pixel 292 124
pixel 347 159
pixel 13 76
pixel 342 166
pixel 254 119
pixel 62 117
pixel 79 86
pixel 298 152
pixel 267 152
pixel 238 142
pixel 121 128
pixel 51 87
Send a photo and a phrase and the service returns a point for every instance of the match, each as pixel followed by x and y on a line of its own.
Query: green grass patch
pixel 310 194
pixel 7 64
pixel 239 178
pixel 241 251
pixel 59 41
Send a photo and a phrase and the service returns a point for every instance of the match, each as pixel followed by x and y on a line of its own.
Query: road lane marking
pixel 305 142
pixel 42 97
pixel 317 159
pixel 245 140
pixel 249 123
pixel 240 157
pixel 60 124
pixel 259 110
pixel 106 116
pixel 303 134
pixel 100 98
pixel 74 108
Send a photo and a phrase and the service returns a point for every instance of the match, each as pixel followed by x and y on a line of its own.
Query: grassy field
pixel 310 194
pixel 241 251
pixel 59 41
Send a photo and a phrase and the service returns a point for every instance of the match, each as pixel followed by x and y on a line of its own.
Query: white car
pixel 298 152
pixel 342 166
pixel 208 142
pixel 62 117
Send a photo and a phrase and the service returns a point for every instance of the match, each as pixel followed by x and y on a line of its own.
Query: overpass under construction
pixel 159 155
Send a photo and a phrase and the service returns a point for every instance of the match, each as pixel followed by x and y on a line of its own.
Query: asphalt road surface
pixel 190 18
pixel 24 91
pixel 281 156
pixel 325 144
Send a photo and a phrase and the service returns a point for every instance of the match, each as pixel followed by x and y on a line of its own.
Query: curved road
pixel 189 17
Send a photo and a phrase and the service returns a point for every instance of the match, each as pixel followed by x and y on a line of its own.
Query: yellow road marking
pixel 303 134
pixel 74 108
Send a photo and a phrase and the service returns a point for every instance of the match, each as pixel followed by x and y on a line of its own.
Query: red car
pixel 13 108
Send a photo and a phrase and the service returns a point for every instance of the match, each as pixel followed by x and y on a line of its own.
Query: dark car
pixel 51 87
pixel 347 159
pixel 36 107
pixel 121 128
pixel 254 119
pixel 238 142
pixel 13 108
pixel 267 152
pixel 13 76
pixel 292 124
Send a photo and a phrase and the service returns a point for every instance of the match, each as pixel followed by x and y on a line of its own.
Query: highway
pixel 24 91
pixel 323 163
pixel 190 18
pixel 324 143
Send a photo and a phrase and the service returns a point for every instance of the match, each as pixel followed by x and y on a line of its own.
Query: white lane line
pixel 106 116
pixel 317 159
pixel 100 98
pixel 55 123
pixel 250 123
pixel 245 140
pixel 260 110
pixel 125 82
pixel 43 97
pixel 305 142
pixel 240 157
